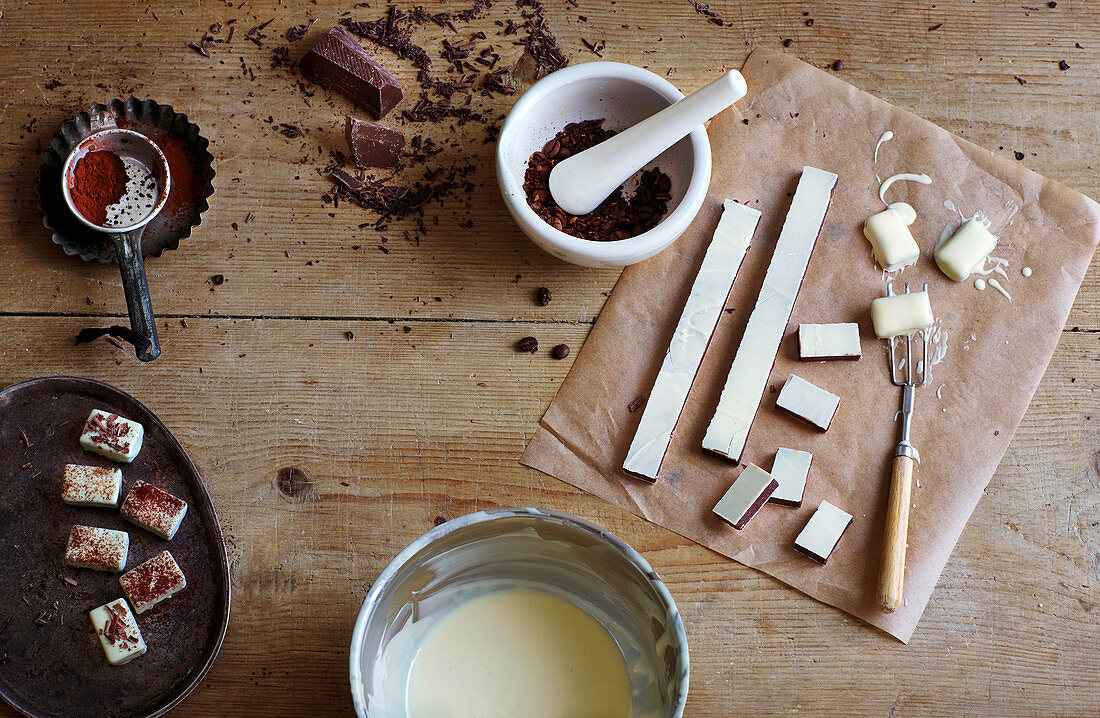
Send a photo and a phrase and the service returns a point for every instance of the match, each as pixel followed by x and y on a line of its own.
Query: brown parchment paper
pixel 997 350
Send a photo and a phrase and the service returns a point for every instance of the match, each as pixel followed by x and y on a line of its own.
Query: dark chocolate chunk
pixel 373 145
pixel 338 62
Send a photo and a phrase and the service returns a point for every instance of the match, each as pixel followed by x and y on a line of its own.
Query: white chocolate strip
pixel 822 532
pixel 828 341
pixel 966 250
pixel 790 469
pixel 901 314
pixel 729 428
pixel 689 342
pixel 744 498
pixel 808 402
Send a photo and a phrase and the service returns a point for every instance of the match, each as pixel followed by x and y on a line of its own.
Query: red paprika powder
pixel 98 182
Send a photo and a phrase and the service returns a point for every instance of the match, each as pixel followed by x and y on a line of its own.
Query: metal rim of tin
pixel 389 574
pixel 102 116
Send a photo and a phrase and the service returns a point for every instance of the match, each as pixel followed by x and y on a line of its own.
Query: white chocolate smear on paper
pixel 689 342
pixel 748 377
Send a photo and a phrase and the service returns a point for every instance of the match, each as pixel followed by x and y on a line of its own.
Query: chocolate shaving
pixel 705 11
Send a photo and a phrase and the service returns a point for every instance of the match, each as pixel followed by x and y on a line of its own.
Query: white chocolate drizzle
pixel 997 285
pixel 886 137
pixel 1026 271
pixel 903 177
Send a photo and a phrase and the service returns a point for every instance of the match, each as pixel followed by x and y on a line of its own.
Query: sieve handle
pixel 138 304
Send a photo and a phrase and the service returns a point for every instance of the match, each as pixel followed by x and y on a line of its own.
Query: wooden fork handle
pixel 892 576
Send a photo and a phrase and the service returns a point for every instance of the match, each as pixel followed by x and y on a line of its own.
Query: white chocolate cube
pixel 901 314
pixel 154 509
pixel 90 485
pixel 744 498
pixel 118 632
pixel 966 250
pixel 807 402
pixel 822 532
pixel 890 238
pixel 112 436
pixel 97 548
pixel 156 580
pixel 790 469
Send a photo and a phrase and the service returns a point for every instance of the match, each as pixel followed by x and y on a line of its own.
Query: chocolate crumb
pixel 838 65
pixel 542 296
pixel 560 351
pixel 217 280
pixel 349 335
pixel 745 121
pixel 935 27
pixel 1063 65
pixel 527 345
pixel 636 404
pixel 788 42
pixel 1019 155
pixel 1052 4
pixel 439 521
pixel 1020 80
pixel 810 22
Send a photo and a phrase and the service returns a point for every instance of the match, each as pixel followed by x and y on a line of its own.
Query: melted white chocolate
pixel 518 653
pixel 901 314
pixel 966 250
pixel 890 238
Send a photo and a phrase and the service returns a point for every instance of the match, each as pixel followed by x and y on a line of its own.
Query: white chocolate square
pixel 901 314
pixel 805 401
pixel 97 548
pixel 822 532
pixel 112 436
pixel 118 632
pixel 790 469
pixel 890 238
pixel 90 486
pixel 154 509
pixel 749 492
pixel 966 250
pixel 828 341
pixel 156 580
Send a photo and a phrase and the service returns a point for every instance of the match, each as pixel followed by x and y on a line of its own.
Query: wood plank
pixel 888 52
pixel 404 421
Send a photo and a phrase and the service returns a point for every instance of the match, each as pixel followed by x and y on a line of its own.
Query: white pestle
pixel 581 182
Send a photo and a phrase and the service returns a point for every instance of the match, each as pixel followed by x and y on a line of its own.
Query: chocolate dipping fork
pixel 892 575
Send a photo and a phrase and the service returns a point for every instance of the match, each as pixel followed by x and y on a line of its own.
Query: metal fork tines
pixel 908 374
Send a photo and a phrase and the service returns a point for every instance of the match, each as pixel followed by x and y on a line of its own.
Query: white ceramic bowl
pixel 623 95
pixel 547 550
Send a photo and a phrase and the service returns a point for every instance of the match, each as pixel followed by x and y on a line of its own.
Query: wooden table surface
pixel 423 413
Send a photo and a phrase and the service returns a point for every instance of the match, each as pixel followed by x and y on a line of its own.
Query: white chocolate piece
pixel 805 401
pixel 156 580
pixel 901 314
pixel 828 341
pixel 153 509
pixel 90 486
pixel 118 632
pixel 97 548
pixel 790 469
pixel 965 251
pixel 744 498
pixel 748 377
pixel 689 342
pixel 890 238
pixel 112 436
pixel 822 532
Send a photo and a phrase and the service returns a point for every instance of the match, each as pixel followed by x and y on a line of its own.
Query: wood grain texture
pixel 396 428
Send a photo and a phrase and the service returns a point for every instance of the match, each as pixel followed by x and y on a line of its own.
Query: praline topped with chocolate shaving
pixel 111 435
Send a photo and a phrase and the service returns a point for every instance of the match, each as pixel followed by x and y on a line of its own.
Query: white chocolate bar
pixel 901 314
pixel 97 548
pixel 112 436
pixel 966 250
pixel 828 341
pixel 890 238
pixel 748 377
pixel 790 469
pixel 90 486
pixel 118 632
pixel 744 498
pixel 822 532
pixel 156 580
pixel 689 342
pixel 805 401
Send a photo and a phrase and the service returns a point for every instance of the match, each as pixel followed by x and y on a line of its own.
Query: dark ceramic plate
pixel 55 667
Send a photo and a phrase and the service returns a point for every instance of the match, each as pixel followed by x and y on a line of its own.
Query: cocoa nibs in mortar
pixel 619 216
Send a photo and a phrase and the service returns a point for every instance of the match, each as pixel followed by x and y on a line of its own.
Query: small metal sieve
pixel 147 185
